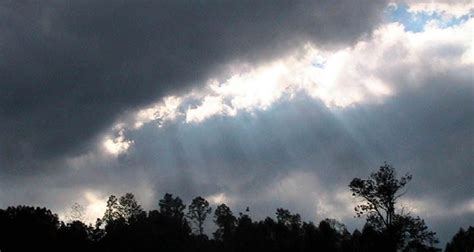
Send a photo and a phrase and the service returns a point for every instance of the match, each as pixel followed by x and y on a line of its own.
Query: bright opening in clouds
pixel 117 145
pixel 339 78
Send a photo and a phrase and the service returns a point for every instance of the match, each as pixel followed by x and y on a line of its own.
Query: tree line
pixel 174 226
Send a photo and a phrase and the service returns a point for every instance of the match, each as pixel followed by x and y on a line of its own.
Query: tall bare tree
pixel 76 213
pixel 380 193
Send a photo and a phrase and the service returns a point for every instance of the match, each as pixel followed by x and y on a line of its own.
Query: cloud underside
pixel 69 68
pixel 245 104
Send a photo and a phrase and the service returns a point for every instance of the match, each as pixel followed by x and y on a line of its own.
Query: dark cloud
pixel 69 68
pixel 292 155
pixel 426 131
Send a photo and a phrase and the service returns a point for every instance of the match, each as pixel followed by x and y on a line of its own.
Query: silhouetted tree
pixel 310 237
pixel 124 209
pixel 225 222
pixel 462 241
pixel 76 213
pixel 198 211
pixel 128 208
pixel 75 236
pixel 287 230
pixel 97 233
pixel 112 210
pixel 172 207
pixel 329 237
pixel 380 193
pixel 370 240
pixel 244 234
pixel 126 227
pixel 24 226
pixel 288 219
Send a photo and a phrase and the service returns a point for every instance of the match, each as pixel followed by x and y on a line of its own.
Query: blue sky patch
pixel 415 22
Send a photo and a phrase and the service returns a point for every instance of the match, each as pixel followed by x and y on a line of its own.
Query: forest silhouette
pixel 125 226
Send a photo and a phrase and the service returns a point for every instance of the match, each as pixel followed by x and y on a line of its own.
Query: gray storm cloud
pixel 69 69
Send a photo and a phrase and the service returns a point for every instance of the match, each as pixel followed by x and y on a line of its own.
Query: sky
pixel 263 104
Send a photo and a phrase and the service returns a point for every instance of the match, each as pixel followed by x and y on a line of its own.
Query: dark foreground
pixel 126 227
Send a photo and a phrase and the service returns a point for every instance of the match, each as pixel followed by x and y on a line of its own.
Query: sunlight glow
pixel 118 144
pixel 95 206
pixel 322 75
pixel 306 187
pixel 161 112
pixel 219 198
pixel 359 74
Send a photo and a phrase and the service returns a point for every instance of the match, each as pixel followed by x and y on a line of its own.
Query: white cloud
pixel 323 75
pixel 118 144
pixel 367 72
pixel 160 112
pixel 447 8
pixel 307 192
pixel 95 206
pixel 432 208
pixel 220 198
pixel 91 206
pixel 342 78
pixel 211 105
